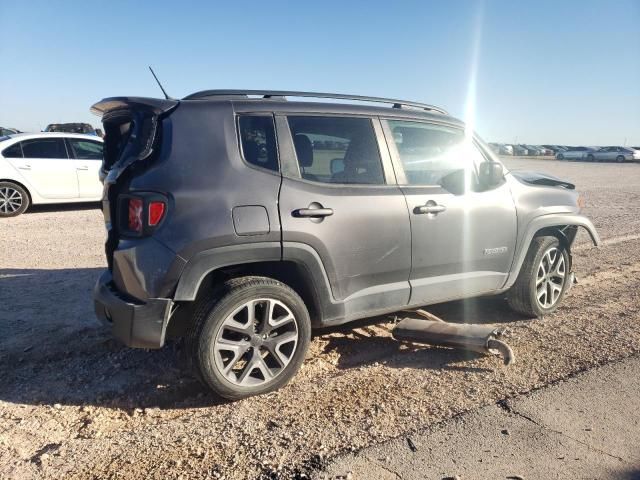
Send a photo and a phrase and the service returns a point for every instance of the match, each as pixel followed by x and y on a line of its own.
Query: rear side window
pixel 44 148
pixel 85 149
pixel 14 151
pixel 258 141
pixel 337 150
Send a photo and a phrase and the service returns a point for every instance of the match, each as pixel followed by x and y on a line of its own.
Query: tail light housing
pixel 141 213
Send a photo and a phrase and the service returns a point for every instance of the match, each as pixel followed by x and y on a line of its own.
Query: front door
pixel 342 201
pixel 463 236
pixel 48 168
pixel 88 158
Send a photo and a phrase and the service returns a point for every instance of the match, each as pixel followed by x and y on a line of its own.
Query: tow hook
pixel 435 331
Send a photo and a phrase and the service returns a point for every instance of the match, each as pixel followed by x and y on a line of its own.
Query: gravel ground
pixel 75 404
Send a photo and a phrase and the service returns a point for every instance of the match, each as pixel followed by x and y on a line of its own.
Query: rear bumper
pixel 136 324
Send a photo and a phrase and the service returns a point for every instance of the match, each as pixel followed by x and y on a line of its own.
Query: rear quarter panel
pixel 202 172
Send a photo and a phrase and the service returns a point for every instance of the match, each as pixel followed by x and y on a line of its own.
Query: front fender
pixel 546 221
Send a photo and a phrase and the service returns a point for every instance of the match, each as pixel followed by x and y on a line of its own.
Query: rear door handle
pixel 84 167
pixel 25 167
pixel 313 212
pixel 433 209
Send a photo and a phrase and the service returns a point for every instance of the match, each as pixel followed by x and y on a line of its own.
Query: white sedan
pixel 48 168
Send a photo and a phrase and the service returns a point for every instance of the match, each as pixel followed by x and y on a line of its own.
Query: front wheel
pixel 543 279
pixel 248 338
pixel 620 158
pixel 14 200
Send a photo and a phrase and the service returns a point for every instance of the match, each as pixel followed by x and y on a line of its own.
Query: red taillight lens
pixel 156 212
pixel 135 215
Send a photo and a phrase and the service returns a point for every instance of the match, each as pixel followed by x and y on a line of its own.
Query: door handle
pixel 313 212
pixel 84 167
pixel 25 167
pixel 432 208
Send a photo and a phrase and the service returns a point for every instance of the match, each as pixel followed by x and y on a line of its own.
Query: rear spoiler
pixel 156 105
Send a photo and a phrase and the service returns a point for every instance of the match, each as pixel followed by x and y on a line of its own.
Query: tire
pixel 14 200
pixel 560 156
pixel 620 158
pixel 523 296
pixel 237 357
pixel 590 158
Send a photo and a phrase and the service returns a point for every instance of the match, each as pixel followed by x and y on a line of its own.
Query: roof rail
pixel 337 96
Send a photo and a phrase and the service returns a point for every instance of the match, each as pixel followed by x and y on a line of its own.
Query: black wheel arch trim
pixel 304 256
pixel 557 220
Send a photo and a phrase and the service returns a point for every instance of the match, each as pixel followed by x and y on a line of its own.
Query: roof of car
pixel 277 101
pixel 29 136
pixel 258 105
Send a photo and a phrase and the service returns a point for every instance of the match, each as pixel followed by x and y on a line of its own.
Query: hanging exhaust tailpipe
pixel 478 338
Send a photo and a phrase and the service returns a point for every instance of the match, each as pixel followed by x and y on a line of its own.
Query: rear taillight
pixel 156 212
pixel 135 215
pixel 141 213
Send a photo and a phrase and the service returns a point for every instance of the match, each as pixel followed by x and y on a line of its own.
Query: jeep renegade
pixel 240 220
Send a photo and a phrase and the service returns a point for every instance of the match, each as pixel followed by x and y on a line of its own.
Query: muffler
pixel 434 331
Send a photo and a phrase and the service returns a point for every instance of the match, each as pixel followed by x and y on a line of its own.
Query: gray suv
pixel 240 220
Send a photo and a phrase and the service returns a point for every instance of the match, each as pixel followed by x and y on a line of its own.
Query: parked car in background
pixel 555 149
pixel 534 150
pixel 501 148
pixel 613 154
pixel 574 153
pixel 520 150
pixel 545 151
pixel 8 131
pixel 84 128
pixel 48 168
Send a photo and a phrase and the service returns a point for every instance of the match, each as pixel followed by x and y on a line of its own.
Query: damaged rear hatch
pixel 133 133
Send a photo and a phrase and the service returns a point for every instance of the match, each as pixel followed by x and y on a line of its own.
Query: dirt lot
pixel 75 404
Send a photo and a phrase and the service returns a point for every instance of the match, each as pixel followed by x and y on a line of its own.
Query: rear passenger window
pixel 14 151
pixel 258 141
pixel 337 150
pixel 44 148
pixel 85 149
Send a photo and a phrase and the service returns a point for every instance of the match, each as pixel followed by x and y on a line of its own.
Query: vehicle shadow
pixel 53 350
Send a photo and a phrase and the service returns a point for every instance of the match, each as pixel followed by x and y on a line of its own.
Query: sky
pixel 540 72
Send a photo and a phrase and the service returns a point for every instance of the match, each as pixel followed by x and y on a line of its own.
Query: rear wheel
pixel 543 279
pixel 620 158
pixel 248 338
pixel 590 158
pixel 560 156
pixel 14 199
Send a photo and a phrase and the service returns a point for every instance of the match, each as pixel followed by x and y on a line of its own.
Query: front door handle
pixel 313 212
pixel 24 167
pixel 84 167
pixel 430 207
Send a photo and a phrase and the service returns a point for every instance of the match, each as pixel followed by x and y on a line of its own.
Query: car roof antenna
pixel 159 84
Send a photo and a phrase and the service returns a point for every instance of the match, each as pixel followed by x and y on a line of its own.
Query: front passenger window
pixel 436 155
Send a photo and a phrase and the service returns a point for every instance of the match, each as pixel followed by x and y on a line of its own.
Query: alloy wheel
pixel 10 200
pixel 256 342
pixel 550 277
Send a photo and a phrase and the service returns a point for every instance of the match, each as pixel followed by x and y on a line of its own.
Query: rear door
pixel 48 168
pixel 463 237
pixel 339 197
pixel 87 155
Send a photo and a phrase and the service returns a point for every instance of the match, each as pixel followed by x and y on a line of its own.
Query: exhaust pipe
pixel 477 338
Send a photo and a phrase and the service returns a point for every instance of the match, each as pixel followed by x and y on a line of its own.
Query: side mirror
pixel 491 174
